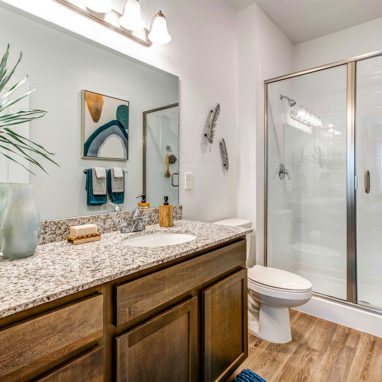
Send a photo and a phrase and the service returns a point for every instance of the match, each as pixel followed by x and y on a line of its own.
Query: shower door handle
pixel 366 177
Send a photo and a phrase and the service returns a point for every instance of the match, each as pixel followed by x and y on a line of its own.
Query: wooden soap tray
pixel 83 239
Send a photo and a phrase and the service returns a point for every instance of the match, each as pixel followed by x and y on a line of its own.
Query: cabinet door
pixel 225 342
pixel 86 368
pixel 162 349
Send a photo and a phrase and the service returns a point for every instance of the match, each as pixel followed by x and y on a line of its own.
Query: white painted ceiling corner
pixel 303 20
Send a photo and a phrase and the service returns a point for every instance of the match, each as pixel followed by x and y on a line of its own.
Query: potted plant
pixel 19 217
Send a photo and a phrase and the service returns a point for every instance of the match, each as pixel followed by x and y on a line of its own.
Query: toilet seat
pixel 278 280
pixel 279 294
pixel 277 287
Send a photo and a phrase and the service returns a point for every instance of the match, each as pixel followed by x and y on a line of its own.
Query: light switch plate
pixel 188 180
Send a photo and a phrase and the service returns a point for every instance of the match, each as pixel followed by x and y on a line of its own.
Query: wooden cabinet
pixel 31 345
pixel 225 326
pixel 162 349
pixel 86 368
pixel 136 298
pixel 184 321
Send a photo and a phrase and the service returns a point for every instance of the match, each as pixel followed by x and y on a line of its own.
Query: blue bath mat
pixel 248 376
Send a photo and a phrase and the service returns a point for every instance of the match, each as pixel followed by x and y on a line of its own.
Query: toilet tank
pixel 236 222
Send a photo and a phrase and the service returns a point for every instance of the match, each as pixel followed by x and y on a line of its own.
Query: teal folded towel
pixel 93 200
pixel 248 376
pixel 115 197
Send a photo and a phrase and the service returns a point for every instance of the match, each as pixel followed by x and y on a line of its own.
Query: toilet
pixel 271 292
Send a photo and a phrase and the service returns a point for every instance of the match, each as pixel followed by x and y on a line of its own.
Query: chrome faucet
pixel 137 223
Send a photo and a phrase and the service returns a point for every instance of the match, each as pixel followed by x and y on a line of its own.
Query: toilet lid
pixel 277 278
pixel 235 222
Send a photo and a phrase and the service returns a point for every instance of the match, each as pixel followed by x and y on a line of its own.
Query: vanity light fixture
pixel 129 23
pixel 131 18
pixel 159 33
pixel 99 6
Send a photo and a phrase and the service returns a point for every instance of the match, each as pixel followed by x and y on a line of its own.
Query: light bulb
pixel 99 6
pixel 131 18
pixel 301 114
pixel 306 116
pixel 159 33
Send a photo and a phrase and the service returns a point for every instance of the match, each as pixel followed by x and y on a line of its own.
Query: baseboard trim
pixel 342 314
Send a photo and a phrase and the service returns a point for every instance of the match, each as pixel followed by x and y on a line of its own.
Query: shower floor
pixel 325 281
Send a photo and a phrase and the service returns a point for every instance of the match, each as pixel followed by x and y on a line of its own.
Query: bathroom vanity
pixel 104 311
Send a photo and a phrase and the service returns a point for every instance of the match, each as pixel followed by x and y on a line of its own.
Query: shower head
pixel 291 101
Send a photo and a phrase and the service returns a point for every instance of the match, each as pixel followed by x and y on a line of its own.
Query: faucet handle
pixel 137 213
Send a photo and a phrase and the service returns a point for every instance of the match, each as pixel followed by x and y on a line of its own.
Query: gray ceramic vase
pixel 20 223
pixel 4 190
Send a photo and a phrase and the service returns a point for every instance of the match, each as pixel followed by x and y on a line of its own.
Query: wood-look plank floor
pixel 321 351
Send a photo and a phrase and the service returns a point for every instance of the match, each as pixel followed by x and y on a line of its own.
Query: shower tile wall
pixel 307 214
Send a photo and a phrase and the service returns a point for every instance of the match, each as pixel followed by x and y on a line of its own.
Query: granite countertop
pixel 59 269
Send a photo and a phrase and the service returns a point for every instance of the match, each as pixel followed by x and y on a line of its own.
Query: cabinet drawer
pixel 86 368
pixel 149 292
pixel 33 344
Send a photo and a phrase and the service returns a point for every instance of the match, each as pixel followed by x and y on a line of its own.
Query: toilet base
pixel 273 325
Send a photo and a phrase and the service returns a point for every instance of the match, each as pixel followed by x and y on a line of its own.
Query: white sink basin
pixel 158 239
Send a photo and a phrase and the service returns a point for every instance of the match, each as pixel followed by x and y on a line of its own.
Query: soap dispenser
pixel 143 203
pixel 165 214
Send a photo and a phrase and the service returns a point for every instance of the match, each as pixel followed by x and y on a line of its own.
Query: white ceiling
pixel 240 4
pixel 303 20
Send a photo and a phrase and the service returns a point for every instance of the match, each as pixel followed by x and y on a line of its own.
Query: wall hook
pixel 212 119
pixel 224 153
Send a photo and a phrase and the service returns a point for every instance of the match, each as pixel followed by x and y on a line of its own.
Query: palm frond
pixel 6 77
pixel 3 63
pixel 14 146
pixel 7 94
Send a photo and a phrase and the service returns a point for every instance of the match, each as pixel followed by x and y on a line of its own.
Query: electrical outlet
pixel 188 180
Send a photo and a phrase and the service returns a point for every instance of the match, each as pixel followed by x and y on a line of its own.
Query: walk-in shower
pixel 323 155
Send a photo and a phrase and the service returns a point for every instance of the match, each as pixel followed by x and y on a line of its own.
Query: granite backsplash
pixel 56 230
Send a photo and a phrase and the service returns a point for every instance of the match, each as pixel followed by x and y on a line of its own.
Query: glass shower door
pixel 306 178
pixel 369 173
pixel 161 153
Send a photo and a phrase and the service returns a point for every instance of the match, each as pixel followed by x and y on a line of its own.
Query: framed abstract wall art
pixel 105 127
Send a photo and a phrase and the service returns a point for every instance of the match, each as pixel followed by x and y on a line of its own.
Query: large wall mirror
pixel 104 110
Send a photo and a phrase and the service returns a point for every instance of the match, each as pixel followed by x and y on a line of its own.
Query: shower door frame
pixel 351 249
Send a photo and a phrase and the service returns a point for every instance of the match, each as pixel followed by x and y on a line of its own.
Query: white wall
pixel 347 43
pixel 204 56
pixel 264 52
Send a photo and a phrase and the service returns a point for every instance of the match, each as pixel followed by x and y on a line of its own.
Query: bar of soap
pixel 84 229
